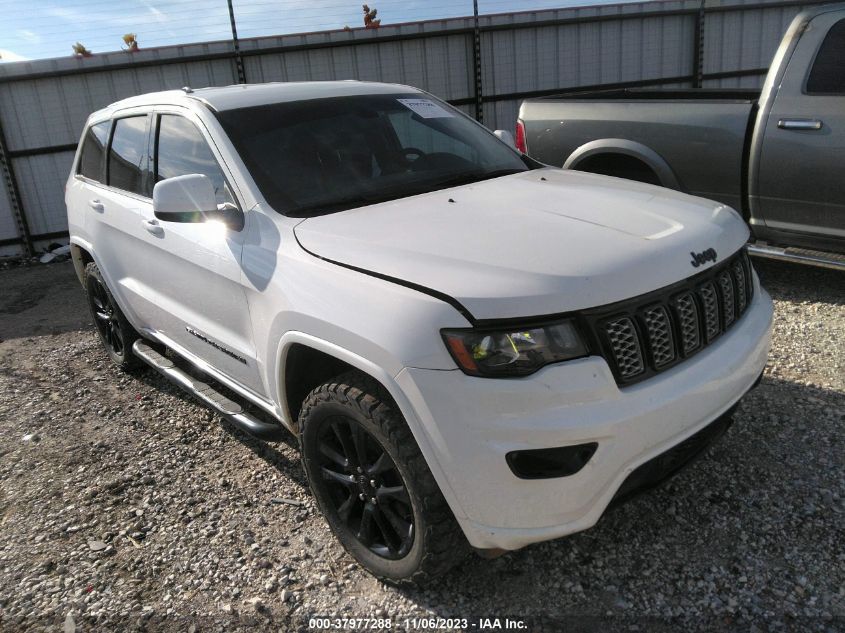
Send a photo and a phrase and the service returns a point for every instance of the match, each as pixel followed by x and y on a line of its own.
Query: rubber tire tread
pixel 444 544
pixel 129 360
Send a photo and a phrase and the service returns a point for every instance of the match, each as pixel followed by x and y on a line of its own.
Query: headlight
pixel 513 351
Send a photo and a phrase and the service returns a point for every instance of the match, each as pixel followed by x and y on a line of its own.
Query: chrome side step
pixel 822 259
pixel 229 409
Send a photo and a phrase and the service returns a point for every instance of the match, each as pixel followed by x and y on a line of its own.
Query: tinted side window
pixel 93 150
pixel 126 154
pixel 828 73
pixel 181 149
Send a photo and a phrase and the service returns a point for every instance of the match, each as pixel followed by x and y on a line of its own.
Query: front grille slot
pixel 649 334
pixel 686 311
pixel 660 339
pixel 710 303
pixel 726 287
pixel 626 347
pixel 739 278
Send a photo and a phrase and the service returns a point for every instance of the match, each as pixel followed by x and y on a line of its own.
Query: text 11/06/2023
pixel 328 623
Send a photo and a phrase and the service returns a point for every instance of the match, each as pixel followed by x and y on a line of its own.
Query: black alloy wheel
pixel 373 484
pixel 105 318
pixel 116 334
pixel 365 487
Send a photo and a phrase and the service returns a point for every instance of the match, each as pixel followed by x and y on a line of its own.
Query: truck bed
pixel 701 134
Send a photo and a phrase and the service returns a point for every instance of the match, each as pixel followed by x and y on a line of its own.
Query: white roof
pixel 246 95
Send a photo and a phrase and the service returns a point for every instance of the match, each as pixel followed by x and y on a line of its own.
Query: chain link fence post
pixel 698 48
pixel 476 64
pixel 8 175
pixel 239 62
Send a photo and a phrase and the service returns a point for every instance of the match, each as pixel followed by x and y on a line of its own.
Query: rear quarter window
pixel 827 75
pixel 93 151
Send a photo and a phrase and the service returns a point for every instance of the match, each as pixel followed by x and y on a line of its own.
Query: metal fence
pixel 484 65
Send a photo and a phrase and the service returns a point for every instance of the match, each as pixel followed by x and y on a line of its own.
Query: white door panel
pixel 191 276
pixel 112 220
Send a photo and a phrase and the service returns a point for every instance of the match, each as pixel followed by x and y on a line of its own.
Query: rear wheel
pixel 114 330
pixel 373 484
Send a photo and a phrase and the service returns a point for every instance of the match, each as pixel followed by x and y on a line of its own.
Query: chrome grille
pixel 687 315
pixel 626 347
pixel 649 334
pixel 660 339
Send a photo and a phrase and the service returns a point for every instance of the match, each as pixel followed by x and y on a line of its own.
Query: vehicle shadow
pixel 796 282
pixel 269 452
pixel 720 539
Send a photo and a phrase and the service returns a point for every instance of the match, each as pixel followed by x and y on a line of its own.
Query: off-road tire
pixel 438 542
pixel 97 291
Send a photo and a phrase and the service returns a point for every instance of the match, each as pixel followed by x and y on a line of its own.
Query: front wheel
pixel 373 484
pixel 116 334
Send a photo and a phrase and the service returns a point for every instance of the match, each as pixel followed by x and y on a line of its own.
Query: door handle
pixel 96 205
pixel 800 124
pixel 153 227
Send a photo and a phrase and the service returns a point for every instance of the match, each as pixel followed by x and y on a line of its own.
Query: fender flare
pixel 79 243
pixel 629 148
pixel 114 288
pixel 420 433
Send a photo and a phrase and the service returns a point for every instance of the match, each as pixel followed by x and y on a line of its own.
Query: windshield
pixel 324 155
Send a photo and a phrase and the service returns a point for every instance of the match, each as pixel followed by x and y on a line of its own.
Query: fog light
pixel 546 463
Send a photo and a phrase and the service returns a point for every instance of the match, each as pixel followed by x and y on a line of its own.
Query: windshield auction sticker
pixel 426 108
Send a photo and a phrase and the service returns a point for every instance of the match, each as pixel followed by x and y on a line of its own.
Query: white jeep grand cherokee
pixel 470 346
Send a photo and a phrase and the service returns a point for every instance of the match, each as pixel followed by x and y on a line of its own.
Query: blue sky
pixel 47 28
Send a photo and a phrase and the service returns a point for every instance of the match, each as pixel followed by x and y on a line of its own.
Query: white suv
pixel 472 348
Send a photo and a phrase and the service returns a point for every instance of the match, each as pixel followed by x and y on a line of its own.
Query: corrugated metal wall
pixel 44 104
pixel 744 38
pixel 589 50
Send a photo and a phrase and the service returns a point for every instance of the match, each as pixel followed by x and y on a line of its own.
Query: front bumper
pixel 470 424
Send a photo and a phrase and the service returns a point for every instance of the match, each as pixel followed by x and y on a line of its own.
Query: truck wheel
pixel 373 484
pixel 115 332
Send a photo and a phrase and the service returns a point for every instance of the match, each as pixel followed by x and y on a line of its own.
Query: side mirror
pixel 506 137
pixel 184 199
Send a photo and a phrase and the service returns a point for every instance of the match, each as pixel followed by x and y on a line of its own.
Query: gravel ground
pixel 126 506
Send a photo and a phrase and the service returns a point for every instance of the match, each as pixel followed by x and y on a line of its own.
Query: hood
pixel 535 243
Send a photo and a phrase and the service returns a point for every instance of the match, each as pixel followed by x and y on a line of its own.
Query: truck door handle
pixel 96 205
pixel 153 227
pixel 800 124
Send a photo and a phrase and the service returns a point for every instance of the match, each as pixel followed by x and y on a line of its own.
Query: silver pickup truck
pixel 777 155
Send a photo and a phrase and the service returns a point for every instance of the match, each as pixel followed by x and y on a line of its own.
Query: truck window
pixel 126 154
pixel 181 149
pixel 828 73
pixel 93 151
